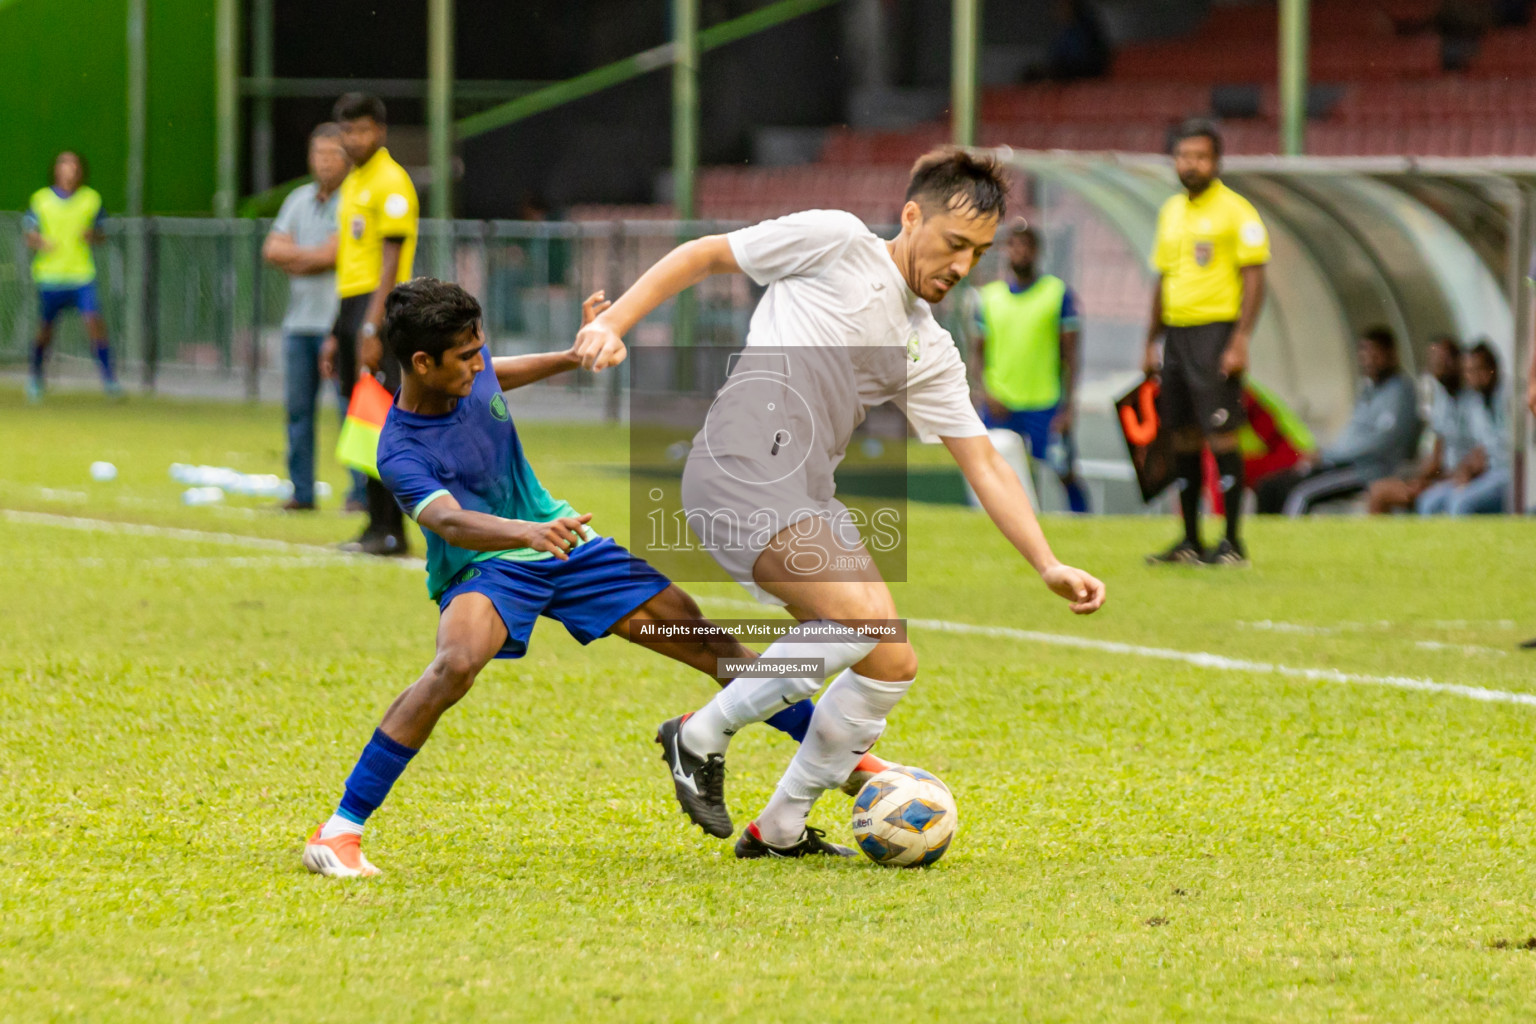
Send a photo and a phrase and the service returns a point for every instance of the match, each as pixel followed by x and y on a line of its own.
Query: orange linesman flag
pixel 358 446
pixel 1150 448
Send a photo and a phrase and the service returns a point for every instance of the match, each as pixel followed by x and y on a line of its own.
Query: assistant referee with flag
pixel 1209 253
pixel 376 244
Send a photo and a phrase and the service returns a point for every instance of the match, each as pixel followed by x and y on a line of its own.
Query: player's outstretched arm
pixel 600 344
pixel 476 531
pixel 515 371
pixel 1007 504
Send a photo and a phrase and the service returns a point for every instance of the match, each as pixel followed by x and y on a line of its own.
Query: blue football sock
pixel 1077 498
pixel 794 720
pixel 377 769
pixel 38 353
pixel 104 357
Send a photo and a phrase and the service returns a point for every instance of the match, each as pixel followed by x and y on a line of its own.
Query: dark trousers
pixel 384 516
pixel 301 388
pixel 1294 493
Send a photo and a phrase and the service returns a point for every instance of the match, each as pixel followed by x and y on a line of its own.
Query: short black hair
pixel 325 130
pixel 1486 353
pixel 354 106
pixel 85 168
pixel 953 178
pixel 1196 128
pixel 1448 341
pixel 1382 337
pixel 427 315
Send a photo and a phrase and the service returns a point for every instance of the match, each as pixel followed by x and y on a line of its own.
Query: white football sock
pixel 751 699
pixel 707 731
pixel 340 826
pixel 848 720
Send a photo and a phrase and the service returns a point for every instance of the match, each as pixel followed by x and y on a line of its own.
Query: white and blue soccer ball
pixel 904 817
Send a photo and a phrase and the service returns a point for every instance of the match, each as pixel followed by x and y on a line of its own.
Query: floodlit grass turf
pixel 1140 839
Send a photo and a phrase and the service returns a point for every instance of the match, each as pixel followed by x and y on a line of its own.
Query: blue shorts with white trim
pixel 588 593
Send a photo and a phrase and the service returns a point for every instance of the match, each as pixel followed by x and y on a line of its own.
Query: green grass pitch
pixel 1142 838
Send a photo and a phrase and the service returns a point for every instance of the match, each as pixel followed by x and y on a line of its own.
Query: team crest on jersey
pixel 499 408
pixel 1203 253
pixel 358 224
pixel 913 347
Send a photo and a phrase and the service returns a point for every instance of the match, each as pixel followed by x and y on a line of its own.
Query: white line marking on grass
pixel 1270 626
pixel 1472 624
pixel 199 537
pixel 1433 645
pixel 213 562
pixel 1199 659
pixel 52 494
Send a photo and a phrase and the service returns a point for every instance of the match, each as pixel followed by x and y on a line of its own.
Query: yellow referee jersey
pixel 377 201
pixel 1202 245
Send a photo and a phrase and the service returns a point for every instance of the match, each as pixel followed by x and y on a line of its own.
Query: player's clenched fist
pixel 599 346
pixel 558 536
pixel 1085 592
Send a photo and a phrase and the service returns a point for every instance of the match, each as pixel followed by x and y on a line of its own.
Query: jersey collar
pixel 1019 289
pixel 380 152
pixel 1210 194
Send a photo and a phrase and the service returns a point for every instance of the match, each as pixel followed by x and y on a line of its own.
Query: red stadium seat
pixel 1396 100
pixel 1507 53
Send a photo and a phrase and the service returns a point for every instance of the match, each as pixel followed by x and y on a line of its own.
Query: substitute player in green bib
pixel 1026 333
pixel 62 222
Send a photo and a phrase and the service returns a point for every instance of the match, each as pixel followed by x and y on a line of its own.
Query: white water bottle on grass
pixel 202 496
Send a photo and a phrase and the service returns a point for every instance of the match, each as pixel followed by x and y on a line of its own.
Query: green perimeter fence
pixel 198 311
pixel 193 310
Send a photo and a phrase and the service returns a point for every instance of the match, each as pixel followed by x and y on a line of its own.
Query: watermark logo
pixel 769 464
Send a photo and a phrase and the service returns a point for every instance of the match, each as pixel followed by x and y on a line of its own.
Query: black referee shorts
pixel 384 515
pixel 1193 391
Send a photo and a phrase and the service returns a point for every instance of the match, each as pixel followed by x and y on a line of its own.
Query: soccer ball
pixel 904 817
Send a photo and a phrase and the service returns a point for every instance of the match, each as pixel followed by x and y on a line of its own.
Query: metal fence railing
pixel 192 307
pixel 194 310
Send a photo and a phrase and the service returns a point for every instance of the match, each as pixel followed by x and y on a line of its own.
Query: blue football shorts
pixel 54 301
pixel 588 593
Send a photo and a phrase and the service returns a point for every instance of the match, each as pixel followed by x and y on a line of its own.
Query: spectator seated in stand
pixel 1382 434
pixel 1479 483
pixel 1446 424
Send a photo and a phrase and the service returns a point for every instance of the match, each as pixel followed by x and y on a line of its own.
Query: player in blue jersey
pixel 501 551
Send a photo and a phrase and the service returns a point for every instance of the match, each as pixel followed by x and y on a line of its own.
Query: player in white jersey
pixel 845 325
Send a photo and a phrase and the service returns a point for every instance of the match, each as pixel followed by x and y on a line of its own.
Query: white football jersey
pixel 832 284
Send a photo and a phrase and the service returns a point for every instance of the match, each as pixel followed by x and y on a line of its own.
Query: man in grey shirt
pixel 302 243
pixel 1381 435
pixel 1478 481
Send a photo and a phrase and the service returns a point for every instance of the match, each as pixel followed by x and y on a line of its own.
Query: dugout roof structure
pixel 1424 246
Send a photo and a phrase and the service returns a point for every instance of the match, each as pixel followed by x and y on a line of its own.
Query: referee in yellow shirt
pixel 1210 253
pixel 378 219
